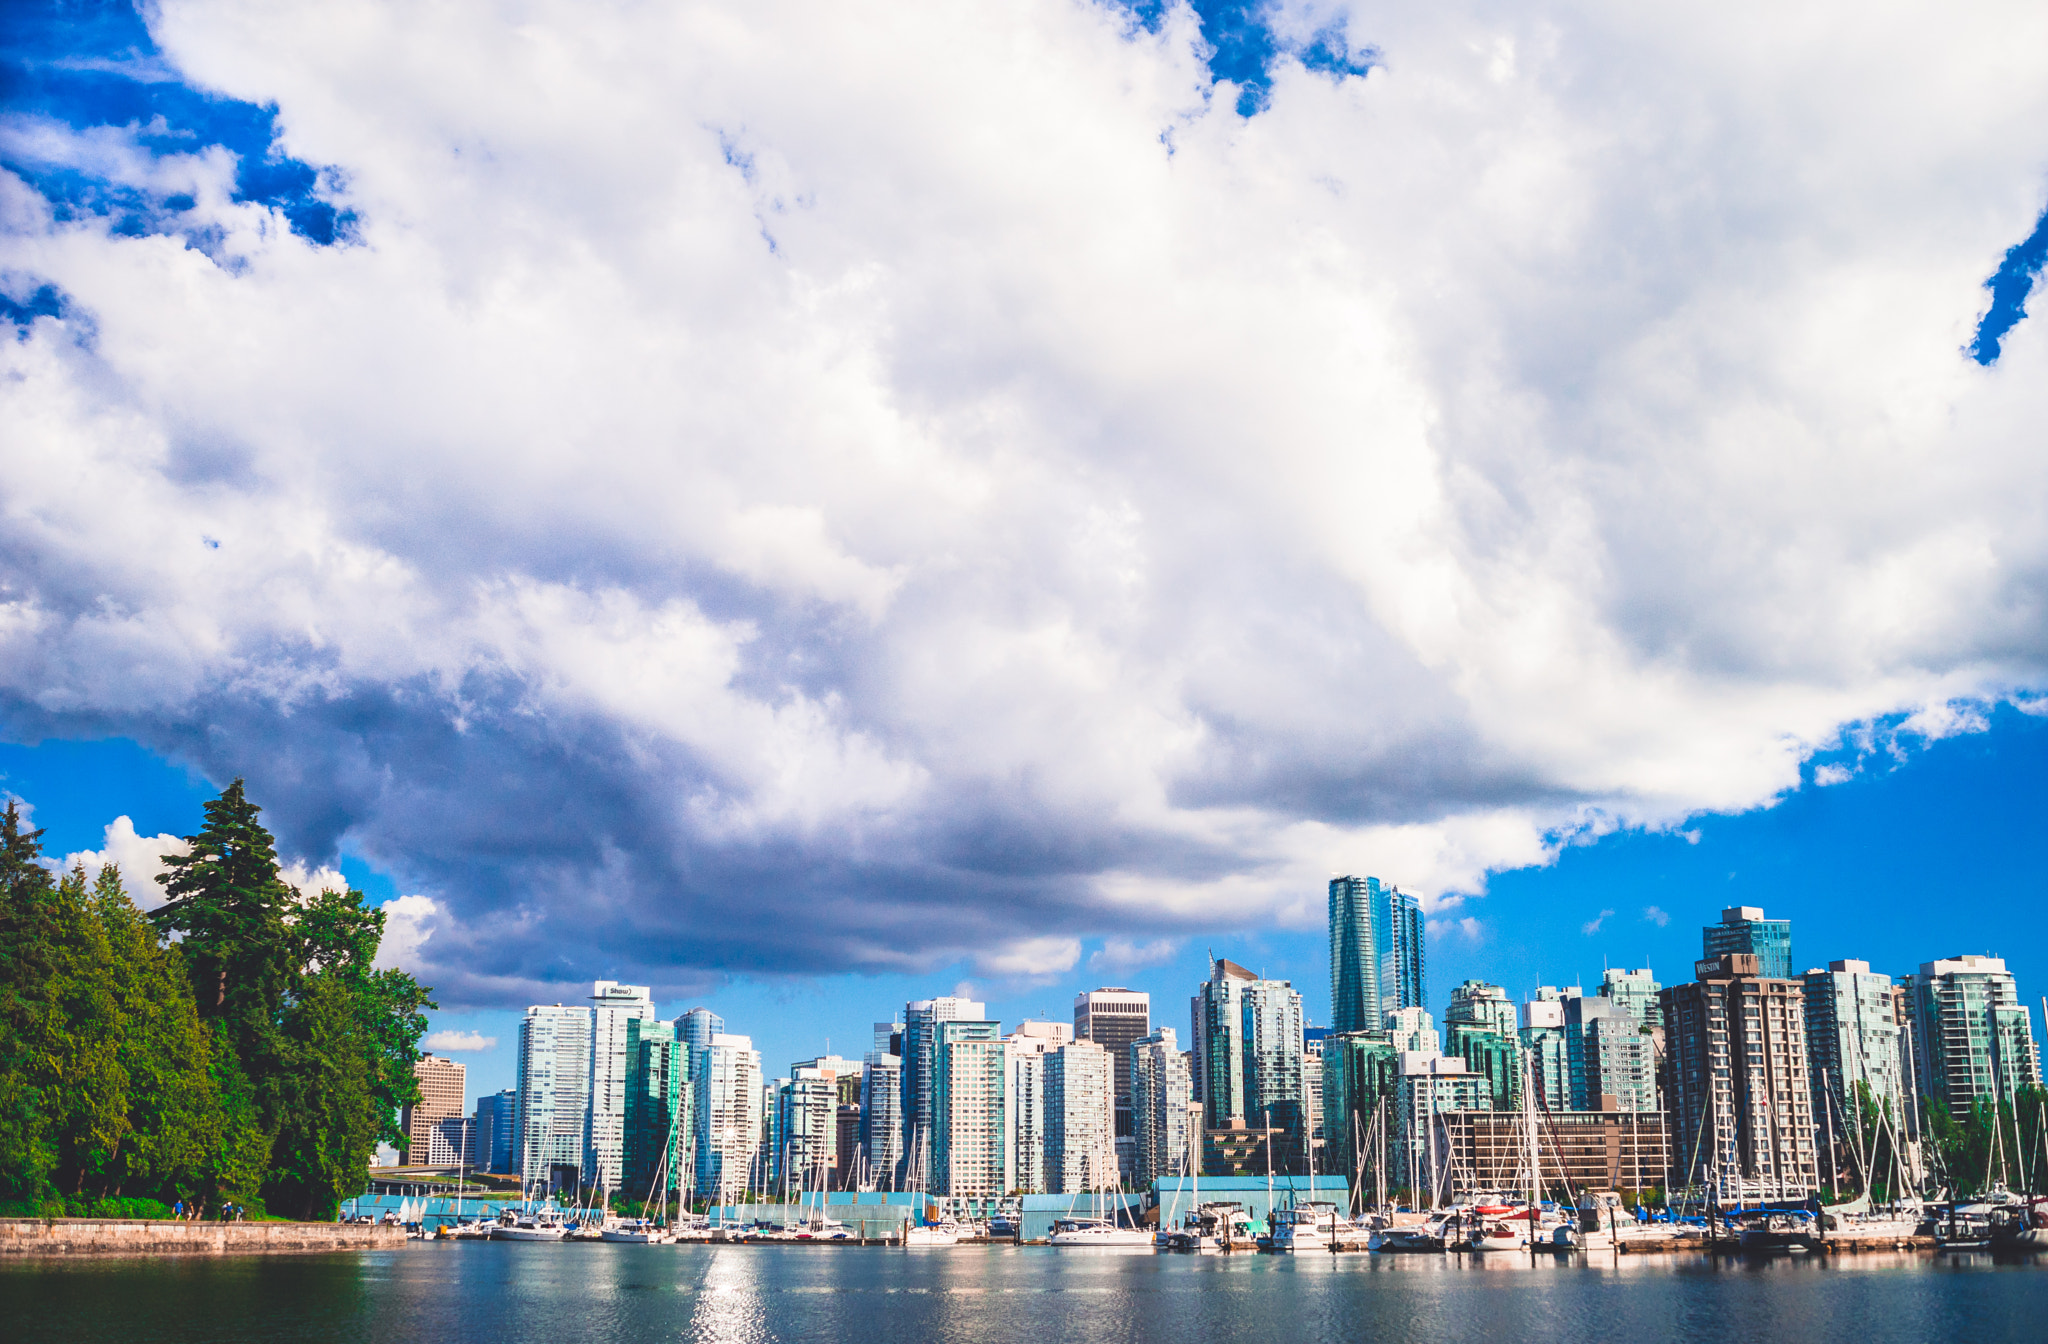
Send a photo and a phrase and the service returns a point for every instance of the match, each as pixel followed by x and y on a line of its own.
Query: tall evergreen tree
pixel 29 943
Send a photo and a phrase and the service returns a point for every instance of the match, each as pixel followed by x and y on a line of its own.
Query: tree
pixel 28 965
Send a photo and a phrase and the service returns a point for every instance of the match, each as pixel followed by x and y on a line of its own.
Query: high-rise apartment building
pixel 1216 1019
pixel 920 1034
pixel 728 1115
pixel 497 1119
pixel 1852 1044
pixel 806 1130
pixel 658 1123
pixel 881 1118
pixel 1428 1087
pixel 1027 1048
pixel 1972 1038
pixel 613 1008
pixel 1113 1018
pixel 1634 991
pixel 1402 980
pixel 443 1087
pixel 696 1027
pixel 1476 1003
pixel 1376 956
pixel 554 1095
pixel 1414 1031
pixel 1080 1119
pixel 1162 1094
pixel 1545 1059
pixel 1608 1055
pixel 1744 929
pixel 969 1125
pixel 1736 1082
pixel 1273 1050
pixel 1360 1071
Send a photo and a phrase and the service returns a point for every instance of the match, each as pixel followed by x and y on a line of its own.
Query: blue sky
pixel 805 512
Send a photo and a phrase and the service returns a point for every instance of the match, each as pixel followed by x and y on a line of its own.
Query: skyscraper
pixel 1543 1050
pixel 1607 1055
pixel 1972 1037
pixel 443 1088
pixel 658 1121
pixel 1376 956
pixel 729 1115
pixel 1476 1003
pixel 1113 1018
pixel 1743 928
pixel 1414 1031
pixel 1161 1094
pixel 806 1130
pixel 1360 1073
pixel 920 1027
pixel 554 1095
pixel 969 1128
pixel 1027 1048
pixel 1273 1051
pixel 1635 991
pixel 1852 1042
pixel 614 1007
pixel 1736 1082
pixel 497 1119
pixel 1216 1016
pixel 1080 1119
pixel 1354 954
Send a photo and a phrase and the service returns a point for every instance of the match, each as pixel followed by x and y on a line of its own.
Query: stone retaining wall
pixel 110 1236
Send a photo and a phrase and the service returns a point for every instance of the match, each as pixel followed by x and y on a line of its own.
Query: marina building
pixel 554 1096
pixel 1162 1095
pixel 1736 1082
pixel 1080 1119
pixel 1576 1150
pixel 1743 929
pixel 1113 1018
pixel 1973 1038
pixel 728 1116
pixel 444 1089
pixel 613 1007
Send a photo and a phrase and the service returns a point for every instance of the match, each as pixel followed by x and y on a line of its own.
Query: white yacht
pixel 634 1232
pixel 1312 1227
pixel 933 1234
pixel 529 1225
pixel 1072 1232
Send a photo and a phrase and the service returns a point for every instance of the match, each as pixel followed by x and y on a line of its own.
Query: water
pixel 566 1294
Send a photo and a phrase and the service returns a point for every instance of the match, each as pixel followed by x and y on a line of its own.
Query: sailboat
pixel 945 1232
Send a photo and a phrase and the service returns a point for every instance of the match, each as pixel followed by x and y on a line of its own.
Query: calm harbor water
pixel 516 1294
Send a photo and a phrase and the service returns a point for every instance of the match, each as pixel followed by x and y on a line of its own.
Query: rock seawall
pixel 109 1236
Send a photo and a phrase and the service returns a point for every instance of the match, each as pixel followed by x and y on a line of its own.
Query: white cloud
pixel 1124 954
pixel 1825 775
pixel 724 513
pixel 1592 926
pixel 310 881
pixel 457 1042
pixel 139 857
pixel 1657 915
pixel 409 922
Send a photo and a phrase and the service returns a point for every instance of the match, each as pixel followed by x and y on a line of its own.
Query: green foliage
pixel 239 1044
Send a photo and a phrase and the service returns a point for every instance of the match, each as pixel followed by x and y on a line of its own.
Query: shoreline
pixel 93 1237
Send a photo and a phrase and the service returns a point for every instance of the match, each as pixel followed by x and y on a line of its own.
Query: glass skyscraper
pixel 1743 929
pixel 1972 1037
pixel 1376 957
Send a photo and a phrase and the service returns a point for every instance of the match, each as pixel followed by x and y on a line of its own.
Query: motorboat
pixel 1209 1228
pixel 1071 1232
pixel 635 1232
pixel 1430 1237
pixel 933 1234
pixel 1313 1227
pixel 1777 1230
pixel 823 1229
pixel 529 1225
pixel 2022 1227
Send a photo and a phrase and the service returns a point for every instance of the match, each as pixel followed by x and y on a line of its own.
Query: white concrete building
pixel 613 1005
pixel 1080 1119
pixel 554 1092
pixel 728 1116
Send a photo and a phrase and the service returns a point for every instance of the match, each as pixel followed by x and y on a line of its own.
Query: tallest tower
pixel 1354 954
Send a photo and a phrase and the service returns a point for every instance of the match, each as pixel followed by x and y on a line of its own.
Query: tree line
pixel 237 1044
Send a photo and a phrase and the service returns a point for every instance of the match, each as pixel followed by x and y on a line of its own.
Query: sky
pixel 807 508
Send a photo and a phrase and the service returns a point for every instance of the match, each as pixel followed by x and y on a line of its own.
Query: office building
pixel 1273 1051
pixel 1113 1018
pixel 729 1115
pixel 1492 1056
pixel 1402 982
pixel 443 1088
pixel 1743 929
pixel 1852 1047
pixel 554 1096
pixel 497 1117
pixel 969 1126
pixel 613 1007
pixel 1736 1083
pixel 658 1121
pixel 1634 991
pixel 1312 1042
pixel 1972 1037
pixel 920 1027
pixel 805 1151
pixel 695 1028
pixel 1162 1097
pixel 1080 1119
